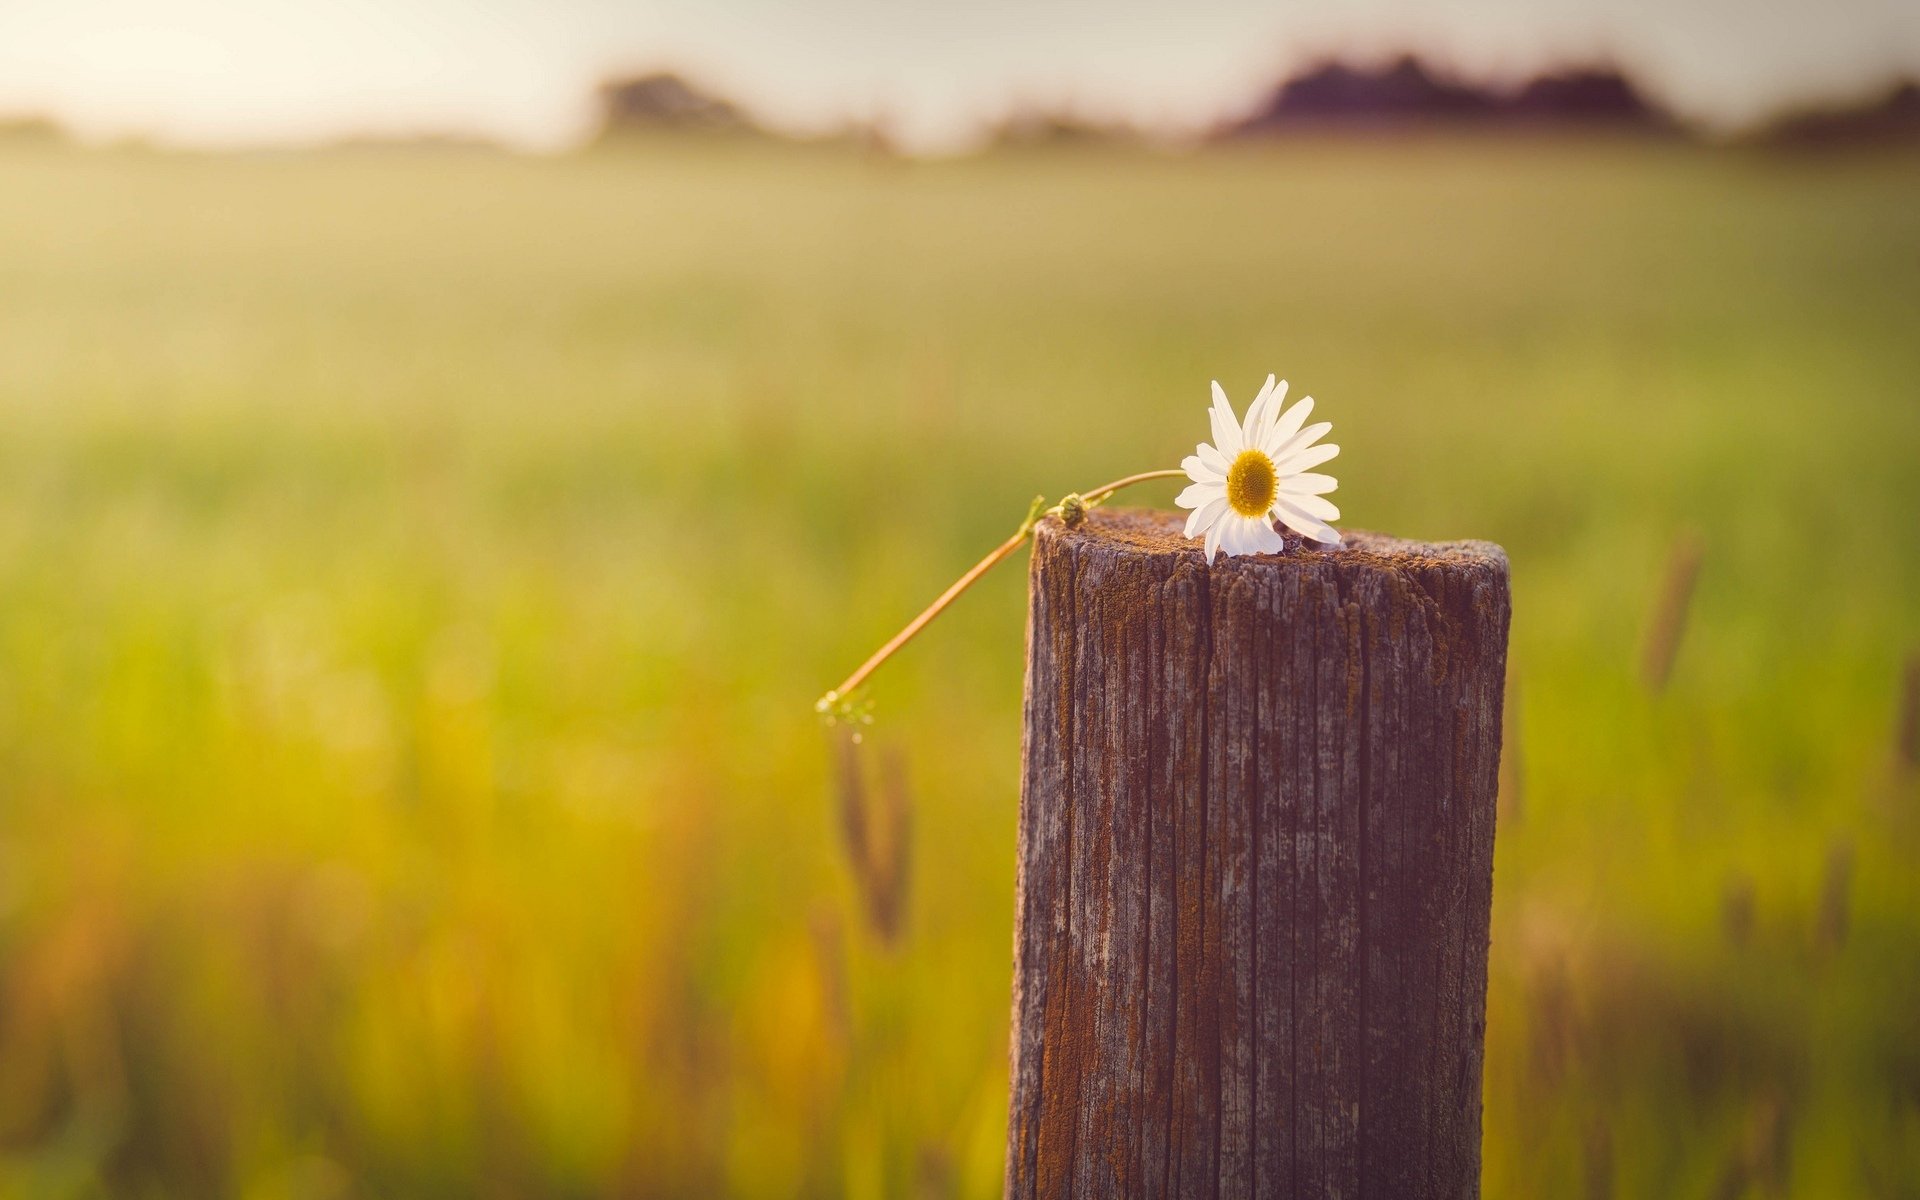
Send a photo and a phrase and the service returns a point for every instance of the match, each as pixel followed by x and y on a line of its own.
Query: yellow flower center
pixel 1251 484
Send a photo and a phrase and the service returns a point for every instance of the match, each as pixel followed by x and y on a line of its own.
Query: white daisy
pixel 1256 472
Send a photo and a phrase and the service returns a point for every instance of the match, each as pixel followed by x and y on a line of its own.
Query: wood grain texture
pixel 1256 866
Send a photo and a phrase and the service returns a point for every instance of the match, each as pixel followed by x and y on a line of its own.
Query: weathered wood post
pixel 1256 866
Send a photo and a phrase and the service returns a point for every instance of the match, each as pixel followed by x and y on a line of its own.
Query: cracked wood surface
pixel 1256 865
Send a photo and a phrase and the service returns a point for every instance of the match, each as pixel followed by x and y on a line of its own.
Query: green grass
pixel 416 570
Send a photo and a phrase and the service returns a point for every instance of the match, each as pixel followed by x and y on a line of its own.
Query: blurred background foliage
pixel 417 566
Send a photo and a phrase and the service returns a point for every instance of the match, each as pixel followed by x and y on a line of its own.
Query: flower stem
pixel 830 703
pixel 1099 495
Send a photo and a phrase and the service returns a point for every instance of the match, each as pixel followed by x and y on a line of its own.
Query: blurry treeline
pixel 1332 96
pixel 1404 94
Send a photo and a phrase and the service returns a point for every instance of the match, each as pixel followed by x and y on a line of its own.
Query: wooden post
pixel 1256 866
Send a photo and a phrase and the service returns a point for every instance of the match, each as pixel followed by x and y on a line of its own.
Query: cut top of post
pixel 1156 533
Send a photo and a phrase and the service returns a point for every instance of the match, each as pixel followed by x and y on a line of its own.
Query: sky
pixel 221 73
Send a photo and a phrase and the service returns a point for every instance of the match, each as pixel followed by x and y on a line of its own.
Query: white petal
pixel 1229 536
pixel 1257 414
pixel 1312 505
pixel 1304 523
pixel 1300 441
pixel 1213 540
pixel 1239 538
pixel 1198 471
pixel 1275 406
pixel 1288 425
pixel 1300 460
pixel 1308 484
pixel 1215 460
pixel 1198 494
pixel 1263 538
pixel 1206 516
pixel 1226 429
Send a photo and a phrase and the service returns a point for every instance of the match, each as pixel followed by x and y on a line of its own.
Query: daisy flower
pixel 1256 472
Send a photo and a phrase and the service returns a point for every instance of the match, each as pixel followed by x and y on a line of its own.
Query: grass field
pixel 416 571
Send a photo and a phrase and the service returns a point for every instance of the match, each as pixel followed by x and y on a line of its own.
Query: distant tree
pixel 427 141
pixel 30 129
pixel 1892 117
pixel 1334 93
pixel 1048 129
pixel 1588 96
pixel 663 101
pixel 1406 93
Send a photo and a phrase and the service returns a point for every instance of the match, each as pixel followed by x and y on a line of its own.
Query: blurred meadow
pixel 417 568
